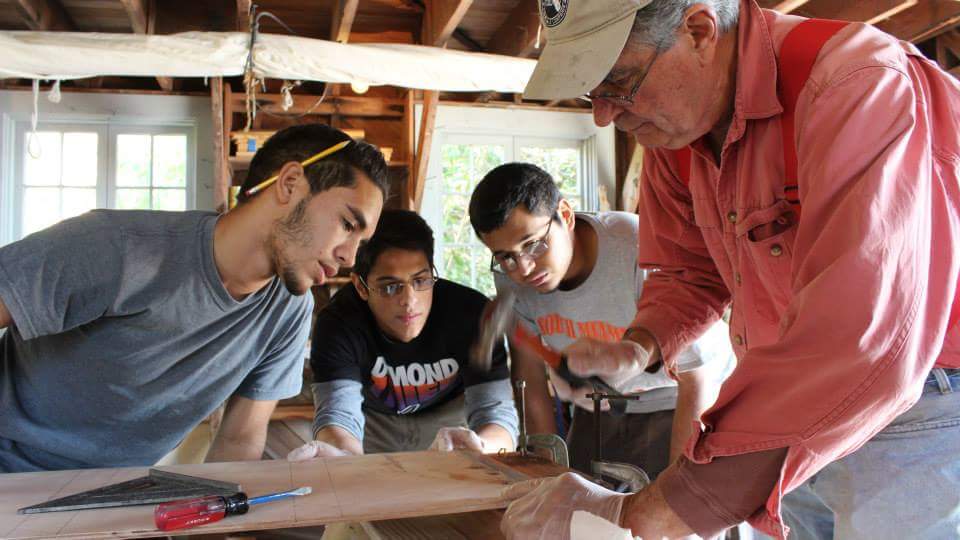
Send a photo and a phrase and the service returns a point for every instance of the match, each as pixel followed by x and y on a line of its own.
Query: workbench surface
pixel 347 489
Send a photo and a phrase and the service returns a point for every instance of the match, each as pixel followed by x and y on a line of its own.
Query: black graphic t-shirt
pixel 403 378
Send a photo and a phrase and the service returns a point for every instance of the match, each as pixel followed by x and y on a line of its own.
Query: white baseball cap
pixel 584 40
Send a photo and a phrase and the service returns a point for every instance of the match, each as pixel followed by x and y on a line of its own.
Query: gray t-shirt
pixel 125 338
pixel 603 307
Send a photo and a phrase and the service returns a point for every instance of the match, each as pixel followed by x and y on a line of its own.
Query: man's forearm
pixel 341 438
pixel 236 449
pixel 647 515
pixel 692 399
pixel 495 438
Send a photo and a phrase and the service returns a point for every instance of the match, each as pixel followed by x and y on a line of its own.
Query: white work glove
pixel 456 438
pixel 576 396
pixel 544 507
pixel 315 449
pixel 617 362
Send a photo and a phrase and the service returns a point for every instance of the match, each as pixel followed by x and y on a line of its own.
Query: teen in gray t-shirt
pixel 576 277
pixel 131 340
pixel 126 328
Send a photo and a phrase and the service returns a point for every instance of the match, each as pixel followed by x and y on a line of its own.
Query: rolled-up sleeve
pixel 491 403
pixel 338 403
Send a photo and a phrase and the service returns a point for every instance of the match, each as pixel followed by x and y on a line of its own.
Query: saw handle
pixel 558 362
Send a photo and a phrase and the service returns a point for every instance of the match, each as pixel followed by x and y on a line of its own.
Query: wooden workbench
pixel 348 489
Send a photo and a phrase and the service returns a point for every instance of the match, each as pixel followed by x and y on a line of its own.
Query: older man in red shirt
pixel 807 171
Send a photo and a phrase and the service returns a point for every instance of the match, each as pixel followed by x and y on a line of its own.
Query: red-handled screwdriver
pixel 188 513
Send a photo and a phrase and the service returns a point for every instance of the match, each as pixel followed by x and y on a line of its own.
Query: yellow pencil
pixel 312 159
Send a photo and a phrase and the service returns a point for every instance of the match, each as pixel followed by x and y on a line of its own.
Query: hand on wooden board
pixel 456 438
pixel 315 449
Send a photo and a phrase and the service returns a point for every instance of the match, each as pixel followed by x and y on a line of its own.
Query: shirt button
pixel 738 339
pixel 776 250
pixel 732 217
pixel 738 278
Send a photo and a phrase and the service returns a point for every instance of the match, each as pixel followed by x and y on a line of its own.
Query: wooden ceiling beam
pixel 517 36
pixel 243 16
pixel 140 14
pixel 46 15
pixel 783 6
pixel 867 11
pixel 923 21
pixel 441 18
pixel 344 12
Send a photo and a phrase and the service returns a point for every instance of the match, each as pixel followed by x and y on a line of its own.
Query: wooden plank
pixel 409 131
pixel 465 526
pixel 243 15
pixel 47 15
pixel 948 49
pixel 924 20
pixel 441 18
pixel 517 36
pixel 221 173
pixel 346 489
pixel 139 14
pixel 431 98
pixel 344 105
pixel 783 6
pixel 344 12
pixel 868 11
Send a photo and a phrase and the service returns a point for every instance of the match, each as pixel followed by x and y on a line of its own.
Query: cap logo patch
pixel 553 12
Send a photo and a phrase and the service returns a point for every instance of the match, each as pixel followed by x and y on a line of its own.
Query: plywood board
pixel 348 489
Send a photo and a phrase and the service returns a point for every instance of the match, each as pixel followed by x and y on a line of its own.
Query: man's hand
pixel 615 362
pixel 315 449
pixel 544 507
pixel 456 438
pixel 577 396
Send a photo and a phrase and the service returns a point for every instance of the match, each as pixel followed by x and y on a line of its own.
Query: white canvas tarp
pixel 72 55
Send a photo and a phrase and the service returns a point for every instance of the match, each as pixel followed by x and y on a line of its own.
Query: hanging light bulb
pixel 359 86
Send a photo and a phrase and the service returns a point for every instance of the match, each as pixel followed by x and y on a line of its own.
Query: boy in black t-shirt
pixel 390 357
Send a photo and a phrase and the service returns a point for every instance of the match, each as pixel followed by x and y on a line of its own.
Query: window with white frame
pixel 463 160
pixel 63 170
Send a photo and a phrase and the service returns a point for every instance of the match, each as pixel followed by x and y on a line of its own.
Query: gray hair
pixel 656 24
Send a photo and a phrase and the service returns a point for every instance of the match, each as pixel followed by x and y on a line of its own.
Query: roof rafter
pixel 140 13
pixel 868 11
pixel 47 15
pixel 924 20
pixel 441 18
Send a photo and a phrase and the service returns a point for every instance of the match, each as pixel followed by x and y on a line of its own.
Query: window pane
pixel 133 160
pixel 41 208
pixel 485 158
pixel 42 159
pixel 481 262
pixel 170 199
pixel 456 168
pixel 170 160
pixel 80 159
pixel 456 265
pixel 133 199
pixel 456 221
pixel 78 200
pixel 563 164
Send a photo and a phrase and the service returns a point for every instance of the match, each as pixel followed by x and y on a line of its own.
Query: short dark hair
pixel 508 186
pixel 400 229
pixel 297 143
